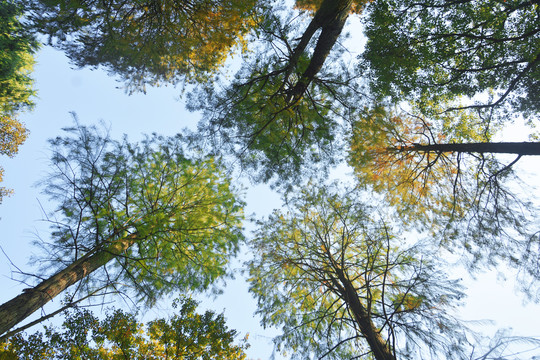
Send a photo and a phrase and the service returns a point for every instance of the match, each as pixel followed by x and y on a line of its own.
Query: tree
pixel 341 286
pixel 437 49
pixel 148 42
pixel 283 108
pixel 144 217
pixel 17 46
pixel 185 335
pixel 442 173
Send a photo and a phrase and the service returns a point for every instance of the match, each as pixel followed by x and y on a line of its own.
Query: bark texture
pixel 330 18
pixel 30 300
pixel 379 347
pixel 518 148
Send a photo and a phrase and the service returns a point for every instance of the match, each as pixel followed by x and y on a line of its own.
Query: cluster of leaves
pixel 17 46
pixel 181 214
pixel 282 113
pixel 440 48
pixel 383 153
pixel 340 285
pixel 148 42
pixel 185 335
pixel 460 197
pixel 313 5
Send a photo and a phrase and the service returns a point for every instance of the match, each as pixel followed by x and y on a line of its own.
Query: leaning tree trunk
pixel 330 18
pixel 380 348
pixel 20 307
pixel 518 148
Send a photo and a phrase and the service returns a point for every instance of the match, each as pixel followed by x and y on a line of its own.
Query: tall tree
pixel 283 108
pixel 443 173
pixel 148 42
pixel 341 286
pixel 185 335
pixel 17 46
pixel 143 217
pixel 440 48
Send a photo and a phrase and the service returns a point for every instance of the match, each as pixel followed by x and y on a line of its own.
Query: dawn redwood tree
pixel 148 42
pixel 437 49
pixel 284 107
pixel 144 219
pixel 443 173
pixel 184 335
pixel 17 46
pixel 332 275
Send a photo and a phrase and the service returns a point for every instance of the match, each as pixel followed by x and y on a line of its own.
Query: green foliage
pixel 181 212
pixel 274 118
pixel 17 46
pixel 327 242
pixel 186 335
pixel 466 201
pixel 313 5
pixel 440 48
pixel 148 42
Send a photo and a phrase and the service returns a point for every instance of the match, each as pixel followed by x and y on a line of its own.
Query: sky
pixel 94 96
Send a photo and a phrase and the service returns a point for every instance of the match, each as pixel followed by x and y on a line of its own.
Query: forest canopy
pixel 406 104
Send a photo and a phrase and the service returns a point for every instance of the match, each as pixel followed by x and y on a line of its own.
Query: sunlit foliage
pixel 312 5
pixel 17 46
pixel 148 42
pixel 284 107
pixel 330 273
pixel 143 220
pixel 185 335
pixel 182 211
pixel 466 199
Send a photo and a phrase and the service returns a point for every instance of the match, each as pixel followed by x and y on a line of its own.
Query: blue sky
pixel 95 96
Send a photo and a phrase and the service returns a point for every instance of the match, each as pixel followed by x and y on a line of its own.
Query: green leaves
pixel 149 42
pixel 281 115
pixel 182 214
pixel 17 46
pixel 441 49
pixel 185 335
pixel 332 275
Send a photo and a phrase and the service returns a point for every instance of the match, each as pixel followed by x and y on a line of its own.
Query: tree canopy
pixel 185 335
pixel 435 49
pixel 144 217
pixel 442 173
pixel 340 284
pixel 17 46
pixel 148 42
pixel 284 107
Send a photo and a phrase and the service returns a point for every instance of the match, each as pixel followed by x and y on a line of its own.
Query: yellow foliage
pixel 313 5
pixel 384 154
pixel 12 135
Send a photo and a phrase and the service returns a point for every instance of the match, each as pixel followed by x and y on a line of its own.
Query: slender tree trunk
pixel 518 148
pixel 380 349
pixel 20 307
pixel 330 17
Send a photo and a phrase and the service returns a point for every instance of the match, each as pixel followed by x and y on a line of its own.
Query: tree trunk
pixel 331 29
pixel 330 17
pixel 518 148
pixel 20 307
pixel 380 349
